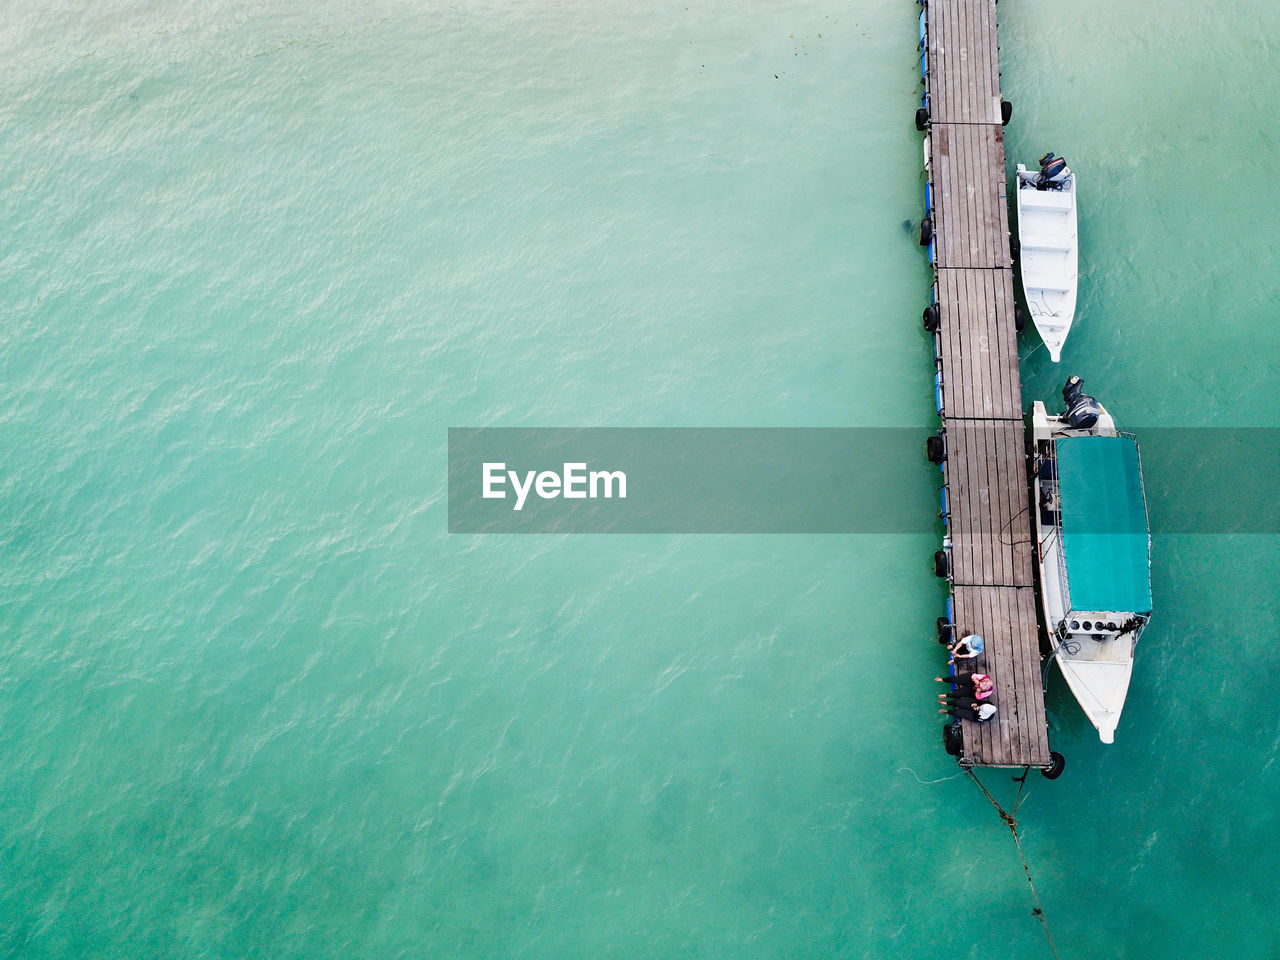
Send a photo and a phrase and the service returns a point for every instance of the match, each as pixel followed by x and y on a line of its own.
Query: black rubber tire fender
pixel 952 739
pixel 941 563
pixel 1057 763
pixel 930 318
pixel 935 448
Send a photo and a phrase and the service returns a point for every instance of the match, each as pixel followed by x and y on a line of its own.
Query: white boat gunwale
pixel 1048 254
pixel 1096 663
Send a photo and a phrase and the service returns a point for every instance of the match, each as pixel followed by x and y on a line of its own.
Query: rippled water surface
pixel 257 702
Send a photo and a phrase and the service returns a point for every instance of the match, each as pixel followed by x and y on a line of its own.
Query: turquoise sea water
pixel 256 702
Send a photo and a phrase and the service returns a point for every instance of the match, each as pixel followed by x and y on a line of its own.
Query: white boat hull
pixel 1097 663
pixel 1048 256
pixel 1098 675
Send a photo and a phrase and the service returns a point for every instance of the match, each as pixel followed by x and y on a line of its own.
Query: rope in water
pixel 927 782
pixel 1012 824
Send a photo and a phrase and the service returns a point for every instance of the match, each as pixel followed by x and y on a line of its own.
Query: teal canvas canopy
pixel 1105 539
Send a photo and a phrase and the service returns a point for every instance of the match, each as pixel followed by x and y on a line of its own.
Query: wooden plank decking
pixel 976 348
pixel 962 57
pixel 990 540
pixel 1017 735
pixel 972 216
pixel 975 307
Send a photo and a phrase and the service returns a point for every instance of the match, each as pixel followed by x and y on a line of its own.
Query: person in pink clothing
pixel 979 686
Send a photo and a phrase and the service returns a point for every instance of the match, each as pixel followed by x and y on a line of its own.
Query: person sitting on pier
pixel 980 685
pixel 971 710
pixel 965 648
pixel 957 699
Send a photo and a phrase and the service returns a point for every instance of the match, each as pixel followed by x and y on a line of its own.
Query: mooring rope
pixel 1012 824
pixel 927 782
pixel 1031 351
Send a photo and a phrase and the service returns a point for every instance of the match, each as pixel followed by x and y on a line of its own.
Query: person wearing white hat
pixel 973 710
pixel 966 647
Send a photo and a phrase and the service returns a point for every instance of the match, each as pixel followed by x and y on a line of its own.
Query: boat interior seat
pixel 1047 286
pixel 1046 200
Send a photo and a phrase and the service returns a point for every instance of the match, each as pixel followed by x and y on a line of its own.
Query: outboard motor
pixel 1053 172
pixel 1082 410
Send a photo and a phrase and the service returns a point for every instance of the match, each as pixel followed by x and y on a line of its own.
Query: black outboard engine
pixel 1053 171
pixel 1082 410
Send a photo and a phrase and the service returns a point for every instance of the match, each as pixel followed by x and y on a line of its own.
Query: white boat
pixel 1047 249
pixel 1093 549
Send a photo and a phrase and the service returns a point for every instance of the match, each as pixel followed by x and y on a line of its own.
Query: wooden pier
pixel 978 386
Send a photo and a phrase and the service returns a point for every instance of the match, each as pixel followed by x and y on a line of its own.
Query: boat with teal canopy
pixel 1093 550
